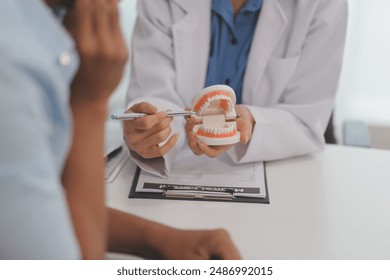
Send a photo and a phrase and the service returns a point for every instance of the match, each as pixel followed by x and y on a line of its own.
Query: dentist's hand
pixel 245 124
pixel 143 135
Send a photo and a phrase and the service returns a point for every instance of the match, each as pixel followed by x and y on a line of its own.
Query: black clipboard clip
pixel 172 192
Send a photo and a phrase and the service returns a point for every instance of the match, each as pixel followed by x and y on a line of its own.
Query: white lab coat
pixel 290 82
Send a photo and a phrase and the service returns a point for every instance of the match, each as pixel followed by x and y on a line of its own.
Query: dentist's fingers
pixel 143 107
pixel 144 135
pixel 214 151
pixel 164 124
pixel 245 123
pixel 193 144
pixel 145 132
pixel 190 123
pixel 157 138
pixel 157 151
pixel 148 122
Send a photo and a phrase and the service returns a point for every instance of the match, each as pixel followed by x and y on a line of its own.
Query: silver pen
pixel 132 116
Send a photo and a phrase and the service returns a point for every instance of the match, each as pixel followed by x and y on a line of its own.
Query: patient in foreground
pixel 51 164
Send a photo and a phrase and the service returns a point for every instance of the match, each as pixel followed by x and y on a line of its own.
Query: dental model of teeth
pixel 214 107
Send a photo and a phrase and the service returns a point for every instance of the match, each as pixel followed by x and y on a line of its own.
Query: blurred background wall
pixel 365 82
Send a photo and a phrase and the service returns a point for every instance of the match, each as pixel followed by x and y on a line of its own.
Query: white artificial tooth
pixel 203 108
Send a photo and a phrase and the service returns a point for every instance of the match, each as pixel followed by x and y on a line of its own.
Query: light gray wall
pixel 365 82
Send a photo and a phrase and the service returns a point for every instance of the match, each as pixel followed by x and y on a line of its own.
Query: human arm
pixel 152 81
pixel 95 27
pixel 133 235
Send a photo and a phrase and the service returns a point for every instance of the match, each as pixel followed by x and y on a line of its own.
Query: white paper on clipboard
pixel 203 174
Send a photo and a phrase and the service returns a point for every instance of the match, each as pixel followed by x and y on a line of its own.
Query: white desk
pixel 335 205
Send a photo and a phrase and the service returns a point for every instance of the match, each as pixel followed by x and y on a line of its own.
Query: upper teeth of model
pixel 206 105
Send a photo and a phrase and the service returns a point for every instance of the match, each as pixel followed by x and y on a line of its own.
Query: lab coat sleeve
pixel 154 75
pixel 296 124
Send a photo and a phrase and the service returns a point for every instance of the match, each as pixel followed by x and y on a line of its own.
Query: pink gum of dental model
pixel 214 107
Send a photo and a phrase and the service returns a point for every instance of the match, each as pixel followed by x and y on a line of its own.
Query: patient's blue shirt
pixel 37 63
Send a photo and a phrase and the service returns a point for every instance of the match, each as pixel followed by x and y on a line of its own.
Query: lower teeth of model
pixel 218 131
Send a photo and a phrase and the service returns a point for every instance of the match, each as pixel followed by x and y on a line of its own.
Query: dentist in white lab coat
pixel 289 85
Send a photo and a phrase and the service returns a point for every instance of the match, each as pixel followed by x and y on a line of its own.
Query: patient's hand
pixel 147 239
pixel 198 245
pixel 143 135
pixel 245 124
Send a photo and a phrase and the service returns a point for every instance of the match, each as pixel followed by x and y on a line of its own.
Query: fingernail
pixel 202 146
pixel 246 139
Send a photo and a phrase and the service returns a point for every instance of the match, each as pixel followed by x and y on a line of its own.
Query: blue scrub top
pixel 231 39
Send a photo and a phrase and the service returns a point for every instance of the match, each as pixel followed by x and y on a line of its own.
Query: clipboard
pixel 222 195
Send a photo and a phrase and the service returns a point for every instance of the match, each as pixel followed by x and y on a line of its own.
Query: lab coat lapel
pixel 191 37
pixel 269 29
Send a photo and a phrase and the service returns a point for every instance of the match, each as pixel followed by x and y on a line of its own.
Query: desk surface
pixel 334 205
